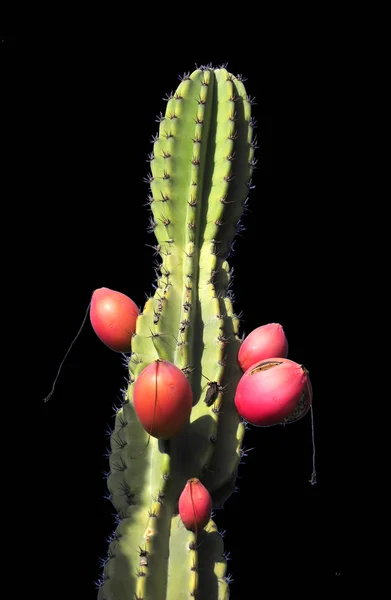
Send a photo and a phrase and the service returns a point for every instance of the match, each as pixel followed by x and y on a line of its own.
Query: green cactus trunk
pixel 201 167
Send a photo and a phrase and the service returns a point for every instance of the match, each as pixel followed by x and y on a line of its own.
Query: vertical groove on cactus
pixel 201 164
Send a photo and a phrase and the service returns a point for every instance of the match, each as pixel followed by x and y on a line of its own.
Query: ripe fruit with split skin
pixel 195 505
pixel 163 399
pixel 263 342
pixel 273 391
pixel 113 317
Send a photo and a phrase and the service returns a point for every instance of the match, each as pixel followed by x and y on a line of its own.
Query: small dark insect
pixel 211 394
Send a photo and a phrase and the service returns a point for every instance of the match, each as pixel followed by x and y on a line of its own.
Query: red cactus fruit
pixel 263 342
pixel 113 317
pixel 273 391
pixel 195 505
pixel 163 399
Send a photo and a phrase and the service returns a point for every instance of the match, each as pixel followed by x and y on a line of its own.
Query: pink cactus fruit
pixel 195 505
pixel 273 391
pixel 113 317
pixel 263 342
pixel 163 399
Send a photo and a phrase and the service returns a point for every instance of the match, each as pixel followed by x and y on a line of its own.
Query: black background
pixel 88 114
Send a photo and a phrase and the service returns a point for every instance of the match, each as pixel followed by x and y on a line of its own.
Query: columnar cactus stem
pixel 201 169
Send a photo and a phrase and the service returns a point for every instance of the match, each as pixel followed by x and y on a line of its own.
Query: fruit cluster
pixel 272 389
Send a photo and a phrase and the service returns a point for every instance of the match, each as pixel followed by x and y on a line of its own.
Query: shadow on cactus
pixel 180 429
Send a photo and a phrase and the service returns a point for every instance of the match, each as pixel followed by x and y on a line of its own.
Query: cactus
pixel 200 175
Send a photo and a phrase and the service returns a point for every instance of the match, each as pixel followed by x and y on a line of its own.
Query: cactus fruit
pixel 195 505
pixel 272 390
pixel 201 167
pixel 113 317
pixel 162 399
pixel 263 342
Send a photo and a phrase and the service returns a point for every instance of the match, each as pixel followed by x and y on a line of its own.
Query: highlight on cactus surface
pixel 113 316
pixel 162 399
pixel 272 391
pixel 263 342
pixel 195 505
